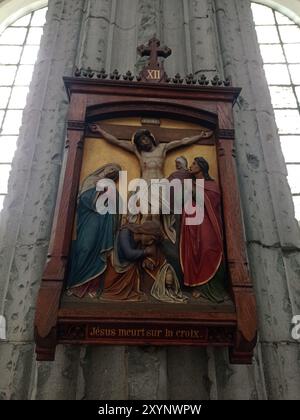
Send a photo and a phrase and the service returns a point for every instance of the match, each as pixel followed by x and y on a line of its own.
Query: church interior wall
pixel 215 37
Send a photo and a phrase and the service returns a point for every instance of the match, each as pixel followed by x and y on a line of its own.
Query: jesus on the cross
pixel 150 153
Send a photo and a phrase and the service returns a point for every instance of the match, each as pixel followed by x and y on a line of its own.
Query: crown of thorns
pixel 143 132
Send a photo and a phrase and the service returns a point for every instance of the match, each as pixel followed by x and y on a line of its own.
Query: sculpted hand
pixel 148 265
pixel 95 128
pixel 206 134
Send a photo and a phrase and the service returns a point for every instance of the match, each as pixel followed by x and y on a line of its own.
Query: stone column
pixel 202 36
pixel 174 36
pixel 95 34
pixel 122 42
pixel 27 216
pixel 272 232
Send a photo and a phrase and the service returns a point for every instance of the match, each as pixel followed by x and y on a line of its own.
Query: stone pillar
pixel 272 232
pixel 174 36
pixel 189 28
pixel 188 377
pixel 202 37
pixel 95 35
pixel 27 216
pixel 122 42
pixel 103 373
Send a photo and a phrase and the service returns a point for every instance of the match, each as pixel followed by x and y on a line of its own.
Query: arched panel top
pixel 152 109
pixel 91 100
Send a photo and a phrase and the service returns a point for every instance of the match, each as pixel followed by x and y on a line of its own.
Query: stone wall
pixel 211 35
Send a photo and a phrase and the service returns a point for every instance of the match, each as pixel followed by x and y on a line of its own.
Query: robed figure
pixel 201 245
pixel 95 235
pixel 133 246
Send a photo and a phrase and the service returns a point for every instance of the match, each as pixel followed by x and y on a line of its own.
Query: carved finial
pixel 128 76
pixel 154 70
pixel 177 79
pixel 77 72
pixel 227 81
pixel 115 75
pixel 90 73
pixel 102 74
pixel 190 79
pixel 216 81
pixel 203 81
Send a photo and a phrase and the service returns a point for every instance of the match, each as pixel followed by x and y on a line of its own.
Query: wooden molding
pixel 226 134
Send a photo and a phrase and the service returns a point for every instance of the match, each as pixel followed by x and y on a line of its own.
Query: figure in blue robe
pixel 95 236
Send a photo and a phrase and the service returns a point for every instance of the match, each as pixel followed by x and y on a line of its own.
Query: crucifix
pixel 154 70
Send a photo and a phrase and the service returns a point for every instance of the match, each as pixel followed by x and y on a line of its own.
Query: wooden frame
pixel 94 99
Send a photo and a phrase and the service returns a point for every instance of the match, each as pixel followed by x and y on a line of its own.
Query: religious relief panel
pixel 136 236
pixel 147 245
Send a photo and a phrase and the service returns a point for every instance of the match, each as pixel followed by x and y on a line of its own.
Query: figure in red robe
pixel 201 246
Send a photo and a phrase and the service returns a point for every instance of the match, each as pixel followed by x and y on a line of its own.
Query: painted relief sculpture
pixel 150 153
pixel 158 256
pixel 127 269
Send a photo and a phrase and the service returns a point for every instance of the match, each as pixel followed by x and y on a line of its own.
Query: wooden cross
pixel 154 70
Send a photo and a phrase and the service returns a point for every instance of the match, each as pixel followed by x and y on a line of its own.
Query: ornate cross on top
pixel 154 70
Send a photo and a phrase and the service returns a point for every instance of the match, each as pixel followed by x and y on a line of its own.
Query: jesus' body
pixel 150 154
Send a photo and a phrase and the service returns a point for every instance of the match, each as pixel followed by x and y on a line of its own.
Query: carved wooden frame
pixel 209 106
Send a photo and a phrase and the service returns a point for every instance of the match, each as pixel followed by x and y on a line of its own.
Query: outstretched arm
pixel 188 140
pixel 95 128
